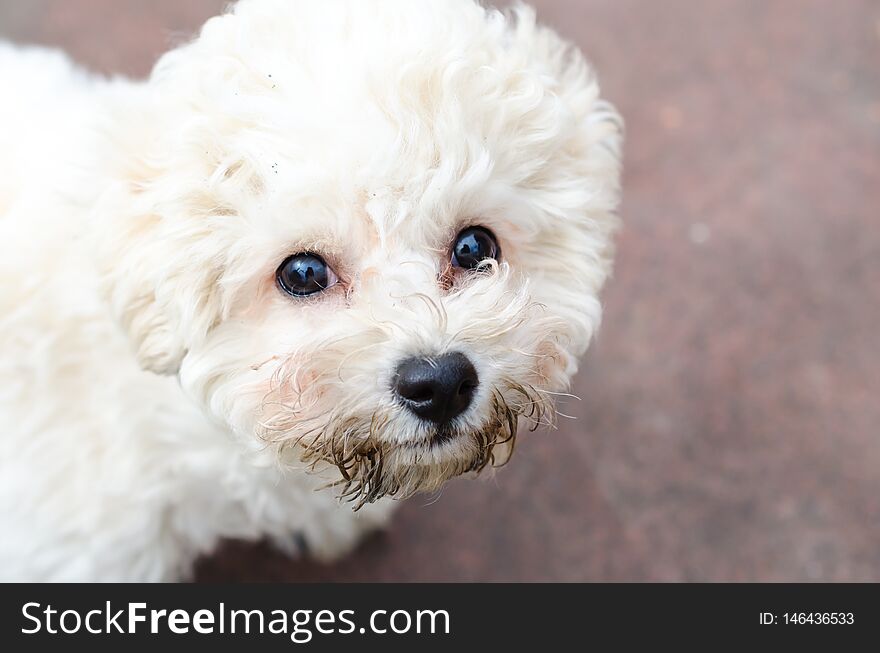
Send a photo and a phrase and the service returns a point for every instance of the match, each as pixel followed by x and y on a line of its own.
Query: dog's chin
pixel 376 467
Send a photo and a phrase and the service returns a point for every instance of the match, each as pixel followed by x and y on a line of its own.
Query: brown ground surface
pixel 729 427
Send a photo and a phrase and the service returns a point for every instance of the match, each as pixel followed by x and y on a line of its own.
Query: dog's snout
pixel 436 389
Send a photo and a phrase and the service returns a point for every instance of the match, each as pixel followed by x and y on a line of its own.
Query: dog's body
pixel 114 466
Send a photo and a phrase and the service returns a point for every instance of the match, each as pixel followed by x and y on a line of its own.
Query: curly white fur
pixel 159 392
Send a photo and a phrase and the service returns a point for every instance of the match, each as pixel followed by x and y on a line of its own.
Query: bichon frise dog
pixel 329 255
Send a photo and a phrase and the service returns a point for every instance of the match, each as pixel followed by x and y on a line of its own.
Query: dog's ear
pixel 577 137
pixel 158 288
pixel 158 270
pixel 599 136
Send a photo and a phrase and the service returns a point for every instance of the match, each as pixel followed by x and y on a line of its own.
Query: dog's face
pixel 370 234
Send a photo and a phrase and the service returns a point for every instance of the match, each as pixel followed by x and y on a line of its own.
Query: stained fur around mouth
pixel 441 436
pixel 436 438
pixel 372 468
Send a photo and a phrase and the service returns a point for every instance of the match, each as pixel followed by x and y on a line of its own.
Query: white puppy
pixel 349 243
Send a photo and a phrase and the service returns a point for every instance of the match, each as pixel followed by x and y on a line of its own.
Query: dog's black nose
pixel 436 389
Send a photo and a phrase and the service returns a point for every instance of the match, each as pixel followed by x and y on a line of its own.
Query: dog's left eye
pixel 472 246
pixel 305 274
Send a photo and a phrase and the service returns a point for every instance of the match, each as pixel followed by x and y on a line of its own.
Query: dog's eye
pixel 472 246
pixel 305 274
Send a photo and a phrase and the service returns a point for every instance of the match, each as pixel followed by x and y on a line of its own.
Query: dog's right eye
pixel 305 274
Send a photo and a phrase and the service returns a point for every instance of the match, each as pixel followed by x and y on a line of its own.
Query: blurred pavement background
pixel 729 422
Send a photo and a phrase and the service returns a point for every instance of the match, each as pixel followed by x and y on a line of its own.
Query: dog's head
pixel 371 234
